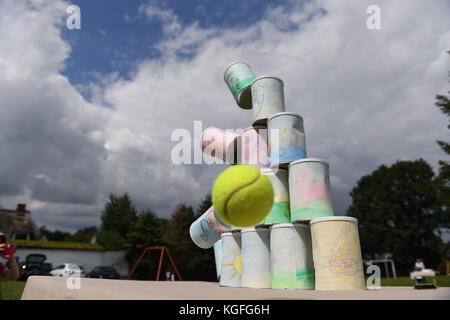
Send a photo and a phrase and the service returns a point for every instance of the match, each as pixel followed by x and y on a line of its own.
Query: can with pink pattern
pixel 220 143
pixel 252 147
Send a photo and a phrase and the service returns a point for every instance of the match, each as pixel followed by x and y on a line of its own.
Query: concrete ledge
pixel 55 288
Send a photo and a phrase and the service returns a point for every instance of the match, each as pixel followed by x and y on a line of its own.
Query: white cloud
pixel 366 98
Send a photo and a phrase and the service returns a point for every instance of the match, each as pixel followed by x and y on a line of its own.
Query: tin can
pixel 291 256
pixel 218 257
pixel 280 212
pixel 220 143
pixel 238 77
pixel 252 147
pixel 231 260
pixel 337 253
pixel 206 230
pixel 286 139
pixel 267 98
pixel 255 258
pixel 309 189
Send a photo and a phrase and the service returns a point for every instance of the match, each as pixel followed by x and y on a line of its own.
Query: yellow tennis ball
pixel 242 196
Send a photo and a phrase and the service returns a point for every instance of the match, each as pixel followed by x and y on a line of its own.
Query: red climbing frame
pixel 163 249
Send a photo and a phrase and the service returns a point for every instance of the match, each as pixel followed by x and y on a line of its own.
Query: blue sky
pixel 115 35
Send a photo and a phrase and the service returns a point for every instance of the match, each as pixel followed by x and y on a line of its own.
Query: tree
pixel 84 235
pixel 55 235
pixel 204 205
pixel 396 208
pixel 189 258
pixel 147 231
pixel 443 103
pixel 116 220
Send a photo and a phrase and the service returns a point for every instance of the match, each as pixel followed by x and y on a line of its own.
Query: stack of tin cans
pixel 300 244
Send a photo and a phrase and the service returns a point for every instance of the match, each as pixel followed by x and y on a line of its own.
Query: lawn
pixel 12 290
pixel 441 281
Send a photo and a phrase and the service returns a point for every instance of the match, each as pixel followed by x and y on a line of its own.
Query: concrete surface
pixel 56 288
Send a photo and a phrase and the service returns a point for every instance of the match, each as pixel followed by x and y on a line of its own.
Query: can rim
pixel 284 113
pixel 203 246
pixel 334 218
pixel 282 225
pixel 239 61
pixel 267 77
pixel 257 126
pixel 253 229
pixel 269 170
pixel 309 160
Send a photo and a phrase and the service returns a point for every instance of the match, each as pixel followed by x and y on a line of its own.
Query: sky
pixel 89 112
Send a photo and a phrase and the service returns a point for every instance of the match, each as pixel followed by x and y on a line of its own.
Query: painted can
pixel 206 230
pixel 337 253
pixel 220 144
pixel 255 258
pixel 231 260
pixel 280 212
pixel 309 189
pixel 218 257
pixel 267 98
pixel 252 147
pixel 238 77
pixel 291 256
pixel 286 139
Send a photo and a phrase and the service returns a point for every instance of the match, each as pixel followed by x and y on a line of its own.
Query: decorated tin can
pixel 220 144
pixel 218 257
pixel 286 139
pixel 337 253
pixel 267 98
pixel 309 189
pixel 252 147
pixel 206 230
pixel 255 258
pixel 238 77
pixel 291 256
pixel 231 260
pixel 280 212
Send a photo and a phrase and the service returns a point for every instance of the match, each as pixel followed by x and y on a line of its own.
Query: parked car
pixel 103 272
pixel 34 265
pixel 68 270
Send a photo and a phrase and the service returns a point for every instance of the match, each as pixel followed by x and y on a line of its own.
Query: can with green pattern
pixel 292 264
pixel 238 77
pixel 280 212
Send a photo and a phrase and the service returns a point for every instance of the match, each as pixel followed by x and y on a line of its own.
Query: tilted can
pixel 220 143
pixel 280 212
pixel 309 189
pixel 291 256
pixel 267 98
pixel 218 257
pixel 238 77
pixel 252 147
pixel 286 139
pixel 255 258
pixel 206 230
pixel 231 260
pixel 337 253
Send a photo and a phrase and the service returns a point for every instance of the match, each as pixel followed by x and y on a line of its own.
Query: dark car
pixel 34 265
pixel 103 273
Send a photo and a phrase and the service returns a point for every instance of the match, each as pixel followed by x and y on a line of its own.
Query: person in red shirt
pixel 11 272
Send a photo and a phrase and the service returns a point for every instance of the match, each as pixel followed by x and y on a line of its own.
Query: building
pixel 18 224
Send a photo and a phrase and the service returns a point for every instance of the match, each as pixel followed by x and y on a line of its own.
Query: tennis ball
pixel 242 196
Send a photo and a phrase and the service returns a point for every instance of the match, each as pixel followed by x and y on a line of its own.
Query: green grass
pixel 441 281
pixel 56 244
pixel 12 290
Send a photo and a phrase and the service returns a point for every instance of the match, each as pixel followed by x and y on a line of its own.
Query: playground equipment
pixel 163 250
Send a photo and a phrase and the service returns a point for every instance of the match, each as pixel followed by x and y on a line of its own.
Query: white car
pixel 68 270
